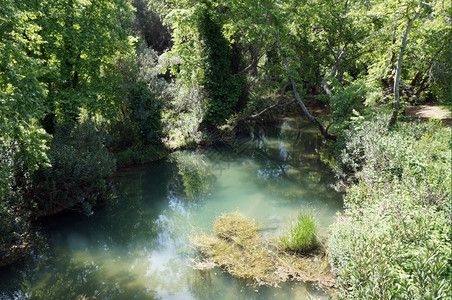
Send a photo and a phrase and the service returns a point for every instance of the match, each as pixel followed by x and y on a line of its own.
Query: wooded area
pixel 88 85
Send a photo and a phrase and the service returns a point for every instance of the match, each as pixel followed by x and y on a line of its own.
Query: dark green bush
pixel 16 169
pixel 145 112
pixel 79 167
pixel 14 225
pixel 139 154
pixel 136 136
pixel 344 102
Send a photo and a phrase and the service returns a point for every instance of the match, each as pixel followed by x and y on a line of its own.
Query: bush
pixel 14 228
pixel 344 102
pixel 394 239
pixel 302 236
pixel 140 154
pixel 141 120
pixel 79 167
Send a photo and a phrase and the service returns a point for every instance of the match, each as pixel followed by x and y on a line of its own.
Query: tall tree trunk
pixel 335 71
pixel 297 96
pixel 396 109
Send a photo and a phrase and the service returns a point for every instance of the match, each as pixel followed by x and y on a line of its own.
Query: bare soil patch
pixel 426 112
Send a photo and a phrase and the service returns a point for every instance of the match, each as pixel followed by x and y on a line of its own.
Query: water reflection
pixel 136 247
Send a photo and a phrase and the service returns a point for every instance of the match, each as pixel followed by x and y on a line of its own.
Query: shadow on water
pixel 137 247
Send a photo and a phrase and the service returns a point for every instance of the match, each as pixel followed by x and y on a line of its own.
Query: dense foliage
pixel 394 240
pixel 78 165
pixel 58 61
pixel 83 82
pixel 222 88
pixel 343 53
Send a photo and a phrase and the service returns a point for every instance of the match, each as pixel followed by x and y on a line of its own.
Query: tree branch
pixel 274 106
pixel 295 91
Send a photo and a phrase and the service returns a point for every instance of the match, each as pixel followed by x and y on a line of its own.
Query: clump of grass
pixel 239 248
pixel 302 235
pixel 236 227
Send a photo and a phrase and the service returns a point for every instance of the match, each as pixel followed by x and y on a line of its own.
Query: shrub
pixel 22 151
pixel 141 120
pixel 140 154
pixel 344 102
pixel 394 239
pixel 79 167
pixel 14 228
pixel 302 235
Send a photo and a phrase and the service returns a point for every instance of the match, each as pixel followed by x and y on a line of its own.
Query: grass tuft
pixel 302 236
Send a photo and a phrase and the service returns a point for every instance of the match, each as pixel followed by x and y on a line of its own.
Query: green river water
pixel 137 245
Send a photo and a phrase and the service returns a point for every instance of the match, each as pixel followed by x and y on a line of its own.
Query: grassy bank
pixel 394 239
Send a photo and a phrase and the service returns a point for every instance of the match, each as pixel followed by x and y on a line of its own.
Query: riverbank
pixel 394 238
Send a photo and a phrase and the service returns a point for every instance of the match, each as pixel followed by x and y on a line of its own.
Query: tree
pixel 21 93
pixel 22 143
pixel 82 41
pixel 297 96
pixel 395 112
pixel 149 26
pixel 222 88
pixel 426 61
pixel 202 56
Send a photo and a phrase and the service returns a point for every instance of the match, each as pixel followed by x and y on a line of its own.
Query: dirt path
pixel 426 112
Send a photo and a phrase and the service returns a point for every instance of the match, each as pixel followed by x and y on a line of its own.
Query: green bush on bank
pixel 394 239
pixel 78 170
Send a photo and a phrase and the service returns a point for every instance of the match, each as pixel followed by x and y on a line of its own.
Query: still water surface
pixel 137 245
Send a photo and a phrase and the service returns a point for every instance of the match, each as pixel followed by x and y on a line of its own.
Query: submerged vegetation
pixel 239 247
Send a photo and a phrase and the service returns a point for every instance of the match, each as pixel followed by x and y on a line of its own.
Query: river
pixel 137 245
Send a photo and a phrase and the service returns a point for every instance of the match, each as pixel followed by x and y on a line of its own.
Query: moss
pixel 238 247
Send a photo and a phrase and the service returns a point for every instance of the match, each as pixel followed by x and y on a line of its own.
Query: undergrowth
pixel 394 239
